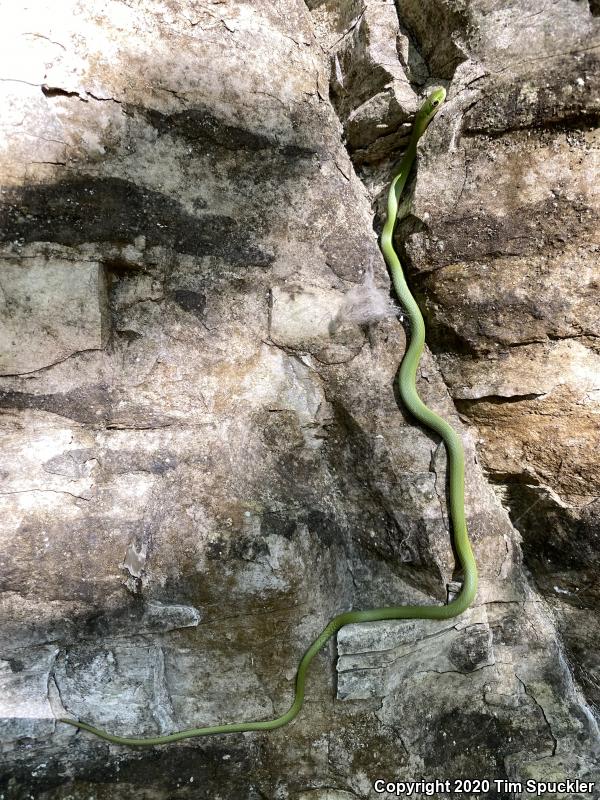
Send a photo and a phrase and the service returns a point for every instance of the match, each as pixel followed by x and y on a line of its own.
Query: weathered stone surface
pixel 306 319
pixel 371 84
pixel 24 704
pixel 502 244
pixel 33 331
pixel 187 502
pixel 369 668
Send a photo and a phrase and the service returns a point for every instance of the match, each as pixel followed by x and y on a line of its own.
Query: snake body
pixel 411 399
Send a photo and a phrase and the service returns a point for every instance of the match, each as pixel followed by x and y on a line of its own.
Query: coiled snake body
pixel 411 399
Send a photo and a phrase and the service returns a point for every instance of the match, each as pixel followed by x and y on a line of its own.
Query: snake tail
pixel 424 415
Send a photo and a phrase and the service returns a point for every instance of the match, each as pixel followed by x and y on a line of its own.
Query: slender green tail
pixel 410 397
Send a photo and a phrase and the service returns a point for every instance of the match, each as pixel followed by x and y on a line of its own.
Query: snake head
pixel 429 109
pixel 432 105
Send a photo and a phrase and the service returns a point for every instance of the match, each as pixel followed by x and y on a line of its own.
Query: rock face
pixel 505 259
pixel 34 335
pixel 203 456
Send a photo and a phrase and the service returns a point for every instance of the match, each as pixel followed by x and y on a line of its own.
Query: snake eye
pixel 435 103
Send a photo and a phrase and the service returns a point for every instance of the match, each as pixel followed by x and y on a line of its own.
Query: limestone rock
pixel 367 668
pixel 371 86
pixel 305 319
pixel 502 244
pixel 50 310
pixel 204 460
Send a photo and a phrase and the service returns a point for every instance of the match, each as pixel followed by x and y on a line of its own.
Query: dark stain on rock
pixel 216 550
pixel 297 151
pixel 159 466
pixel 442 337
pixel 90 209
pixel 241 548
pixel 554 538
pixel 119 268
pixel 456 738
pixel 96 626
pixel 279 429
pixel 511 629
pixel 509 105
pixel 324 527
pixel 221 759
pixel 384 748
pixel 383 528
pixel 136 618
pixel 248 548
pixel 193 302
pixel 93 405
pixel 29 572
pixel 160 774
pixel 472 650
pixel 200 127
pixel 122 462
pixel 295 475
pixel 128 335
pixel 89 404
pixel 278 524
pixel 529 229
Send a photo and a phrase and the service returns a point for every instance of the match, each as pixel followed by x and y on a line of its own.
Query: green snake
pixel 411 399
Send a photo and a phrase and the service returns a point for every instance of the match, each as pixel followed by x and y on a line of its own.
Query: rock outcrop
pixel 204 459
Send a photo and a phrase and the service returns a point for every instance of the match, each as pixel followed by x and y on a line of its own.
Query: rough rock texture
pixel 504 256
pixel 33 335
pixel 203 458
